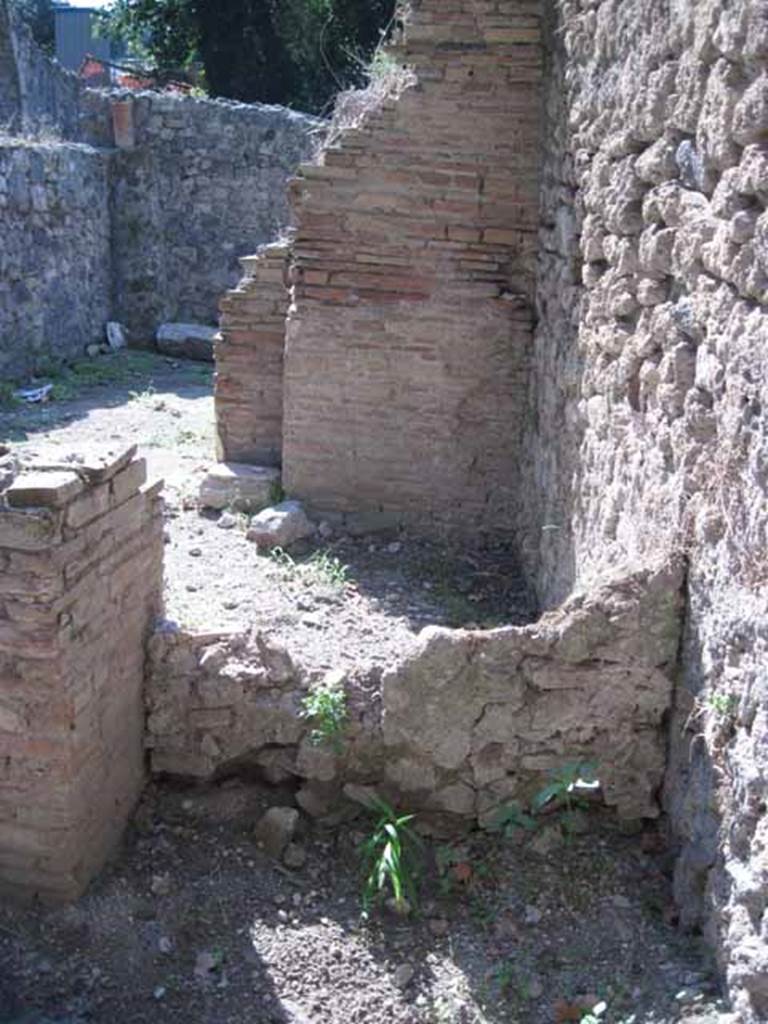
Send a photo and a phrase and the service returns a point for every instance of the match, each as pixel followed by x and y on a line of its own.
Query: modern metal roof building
pixel 77 36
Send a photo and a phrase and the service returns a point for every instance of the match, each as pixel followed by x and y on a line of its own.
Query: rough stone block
pixel 29 530
pixel 187 341
pixel 280 526
pixel 238 486
pixel 51 489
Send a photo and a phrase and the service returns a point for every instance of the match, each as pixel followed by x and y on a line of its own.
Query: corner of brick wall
pixel 409 334
pixel 249 361
pixel 81 557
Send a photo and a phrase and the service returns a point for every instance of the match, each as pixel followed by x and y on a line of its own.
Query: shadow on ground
pixel 194 924
pixel 106 382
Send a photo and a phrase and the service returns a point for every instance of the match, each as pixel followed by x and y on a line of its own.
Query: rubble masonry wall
pixel 647 428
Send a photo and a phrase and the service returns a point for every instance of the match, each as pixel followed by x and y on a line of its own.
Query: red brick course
pixel 77 600
pixel 410 325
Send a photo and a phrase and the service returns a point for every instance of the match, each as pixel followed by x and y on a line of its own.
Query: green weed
pixel 326 707
pixel 145 396
pixel 562 789
pixel 513 819
pixel 321 567
pixel 276 493
pixel 391 860
pixel 284 561
pixel 327 568
pixel 723 704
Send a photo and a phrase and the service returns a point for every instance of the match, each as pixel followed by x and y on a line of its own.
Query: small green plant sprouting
pixel 326 707
pixel 322 567
pixel 723 704
pixel 562 789
pixel 390 857
pixel 284 561
pixel 327 568
pixel 449 861
pixel 513 819
pixel 504 976
pixel 146 397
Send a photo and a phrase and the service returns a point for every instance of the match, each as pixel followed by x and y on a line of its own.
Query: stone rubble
pixel 186 341
pixel 239 487
pixel 280 526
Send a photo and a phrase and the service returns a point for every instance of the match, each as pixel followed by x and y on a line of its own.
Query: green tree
pixel 38 14
pixel 295 52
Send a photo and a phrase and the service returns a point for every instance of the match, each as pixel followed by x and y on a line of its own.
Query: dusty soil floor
pixel 193 923
pixel 342 602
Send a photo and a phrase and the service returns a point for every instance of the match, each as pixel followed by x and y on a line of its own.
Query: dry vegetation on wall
pixel 388 80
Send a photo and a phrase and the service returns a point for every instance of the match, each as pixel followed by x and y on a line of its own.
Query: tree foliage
pixel 295 52
pixel 38 14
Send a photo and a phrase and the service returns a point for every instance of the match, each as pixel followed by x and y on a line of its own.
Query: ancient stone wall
pixel 249 361
pixel 80 582
pixel 198 184
pixel 37 96
pixel 55 260
pixel 10 104
pixel 467 723
pixel 143 221
pixel 648 427
pixel 409 332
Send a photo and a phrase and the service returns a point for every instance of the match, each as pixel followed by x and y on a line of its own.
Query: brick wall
pixel 409 330
pixel 408 337
pixel 80 581
pixel 249 361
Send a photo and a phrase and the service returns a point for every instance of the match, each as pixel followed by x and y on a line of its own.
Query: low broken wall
pixel 467 723
pixel 55 261
pixel 80 582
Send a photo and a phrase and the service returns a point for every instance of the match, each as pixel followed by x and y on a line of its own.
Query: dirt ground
pixel 358 602
pixel 193 923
